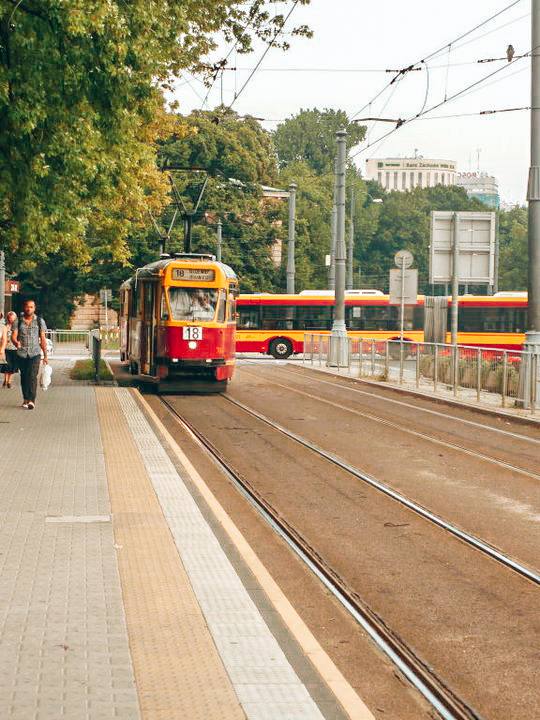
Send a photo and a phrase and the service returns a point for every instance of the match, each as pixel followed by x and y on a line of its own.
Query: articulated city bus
pixel 276 324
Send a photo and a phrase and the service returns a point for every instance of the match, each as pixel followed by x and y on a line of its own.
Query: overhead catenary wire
pixel 437 52
pixel 264 54
pixel 231 50
pixel 441 103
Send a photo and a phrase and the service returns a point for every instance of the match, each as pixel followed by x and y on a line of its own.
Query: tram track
pixel 436 692
pixel 408 430
pixel 478 544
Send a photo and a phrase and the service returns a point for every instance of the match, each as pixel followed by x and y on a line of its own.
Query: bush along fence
pixel 504 378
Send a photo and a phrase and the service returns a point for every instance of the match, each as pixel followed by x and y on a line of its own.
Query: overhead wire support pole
pixel 218 240
pixel 291 267
pixel 339 342
pixel 350 248
pixel 532 337
pixel 332 268
pixel 455 280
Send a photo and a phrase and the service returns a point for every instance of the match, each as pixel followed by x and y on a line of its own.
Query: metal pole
pixel 2 283
pixel 188 225
pixel 333 230
pixel 291 269
pixel 339 355
pixel 350 249
pixel 218 240
pixel 532 338
pixel 106 309
pixel 455 279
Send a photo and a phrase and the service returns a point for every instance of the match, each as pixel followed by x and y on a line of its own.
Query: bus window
pixel 193 304
pixel 278 317
pixel 375 317
pixel 491 319
pixel 314 317
pixel 248 318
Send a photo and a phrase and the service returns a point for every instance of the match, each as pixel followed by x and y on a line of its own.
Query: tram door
pixel 148 328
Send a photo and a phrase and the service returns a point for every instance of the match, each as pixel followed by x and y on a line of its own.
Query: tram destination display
pixel 193 274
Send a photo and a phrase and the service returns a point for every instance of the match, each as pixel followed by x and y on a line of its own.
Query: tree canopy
pixel 310 137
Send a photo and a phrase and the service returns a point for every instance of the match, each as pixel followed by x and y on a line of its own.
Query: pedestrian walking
pixel 9 366
pixel 28 336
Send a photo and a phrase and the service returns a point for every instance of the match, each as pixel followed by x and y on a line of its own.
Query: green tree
pixel 513 250
pixel 238 156
pixel 403 221
pixel 310 137
pixel 82 88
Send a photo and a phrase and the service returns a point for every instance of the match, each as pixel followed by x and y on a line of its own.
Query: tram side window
pixel 222 306
pixel 278 317
pixel 314 317
pixel 492 319
pixel 164 308
pixel 231 308
pixel 134 303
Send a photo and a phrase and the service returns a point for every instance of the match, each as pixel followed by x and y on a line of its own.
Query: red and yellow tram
pixel 178 323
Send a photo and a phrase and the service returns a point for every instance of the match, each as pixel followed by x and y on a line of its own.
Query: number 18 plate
pixel 192 333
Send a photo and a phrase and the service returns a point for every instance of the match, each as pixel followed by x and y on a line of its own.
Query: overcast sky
pixel 351 36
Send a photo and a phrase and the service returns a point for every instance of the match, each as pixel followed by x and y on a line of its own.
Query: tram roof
pixel 158 267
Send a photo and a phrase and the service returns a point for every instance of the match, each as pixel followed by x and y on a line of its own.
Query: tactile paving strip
pixel 178 671
pixel 263 678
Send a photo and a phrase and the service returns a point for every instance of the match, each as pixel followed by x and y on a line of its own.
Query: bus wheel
pixel 281 348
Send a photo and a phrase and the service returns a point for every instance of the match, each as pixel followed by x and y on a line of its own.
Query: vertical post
pixel 401 319
pixel 291 268
pixel 219 238
pixel 2 283
pixel 417 365
pixel 188 225
pixel 333 230
pixel 435 368
pixel 350 248
pixel 455 279
pixel 504 389
pixel 339 354
pixel 106 308
pixel 455 368
pixel 532 338
pixel 478 373
pixel 373 358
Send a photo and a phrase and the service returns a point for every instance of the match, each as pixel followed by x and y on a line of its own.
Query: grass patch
pixel 84 370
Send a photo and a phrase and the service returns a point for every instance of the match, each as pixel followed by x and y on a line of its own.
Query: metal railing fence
pixel 503 378
pixel 78 342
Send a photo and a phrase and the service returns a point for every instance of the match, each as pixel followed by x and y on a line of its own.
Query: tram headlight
pixel 192 344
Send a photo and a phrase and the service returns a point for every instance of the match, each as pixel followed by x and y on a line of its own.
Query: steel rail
pixel 441 698
pixel 418 408
pixel 478 544
pixel 409 431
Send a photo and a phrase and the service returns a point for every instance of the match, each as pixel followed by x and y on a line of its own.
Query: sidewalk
pixel 117 599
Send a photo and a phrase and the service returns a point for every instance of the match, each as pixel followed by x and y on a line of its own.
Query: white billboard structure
pixel 475 232
pixel 462 250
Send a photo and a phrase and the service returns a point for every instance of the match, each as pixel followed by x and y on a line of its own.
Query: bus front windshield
pixel 193 304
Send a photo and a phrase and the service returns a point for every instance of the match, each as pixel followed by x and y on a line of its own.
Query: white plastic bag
pixel 46 375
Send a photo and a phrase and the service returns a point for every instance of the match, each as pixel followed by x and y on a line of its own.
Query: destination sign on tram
pixel 194 274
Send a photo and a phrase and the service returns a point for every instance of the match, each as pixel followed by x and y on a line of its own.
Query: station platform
pixel 121 593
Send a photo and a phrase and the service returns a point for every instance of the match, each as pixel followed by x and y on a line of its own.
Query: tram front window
pixel 193 304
